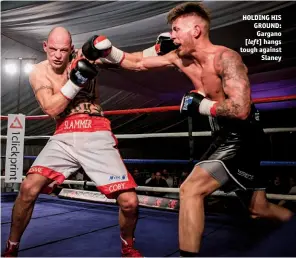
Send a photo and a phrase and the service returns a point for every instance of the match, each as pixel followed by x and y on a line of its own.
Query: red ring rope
pixel 162 109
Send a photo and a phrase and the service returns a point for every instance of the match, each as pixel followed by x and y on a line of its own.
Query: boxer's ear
pixel 44 46
pixel 73 53
pixel 196 31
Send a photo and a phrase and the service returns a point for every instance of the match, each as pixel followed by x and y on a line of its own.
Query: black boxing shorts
pixel 234 157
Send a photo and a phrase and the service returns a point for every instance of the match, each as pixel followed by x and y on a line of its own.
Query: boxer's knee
pixel 198 184
pixel 31 187
pixel 28 192
pixel 128 202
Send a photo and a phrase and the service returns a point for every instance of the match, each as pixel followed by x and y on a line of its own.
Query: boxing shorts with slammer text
pixel 86 141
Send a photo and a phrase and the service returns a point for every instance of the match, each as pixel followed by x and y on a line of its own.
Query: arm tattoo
pixel 236 86
pixel 44 87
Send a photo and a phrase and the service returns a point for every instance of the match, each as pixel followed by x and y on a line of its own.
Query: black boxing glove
pixel 101 47
pixel 164 44
pixel 195 101
pixel 80 72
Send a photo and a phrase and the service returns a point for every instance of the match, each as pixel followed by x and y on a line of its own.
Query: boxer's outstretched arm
pixel 140 63
pixel 132 57
pixel 135 55
pixel 236 86
pixel 51 103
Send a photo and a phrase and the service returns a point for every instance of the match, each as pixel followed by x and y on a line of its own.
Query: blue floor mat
pixel 64 228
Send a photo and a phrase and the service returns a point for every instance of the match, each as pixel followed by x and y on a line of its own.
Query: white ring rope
pixel 177 190
pixel 168 135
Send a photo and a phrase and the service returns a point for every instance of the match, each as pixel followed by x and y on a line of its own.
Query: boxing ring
pixel 82 223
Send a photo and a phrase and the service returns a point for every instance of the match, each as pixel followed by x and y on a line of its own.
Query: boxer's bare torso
pixel 206 75
pixel 215 71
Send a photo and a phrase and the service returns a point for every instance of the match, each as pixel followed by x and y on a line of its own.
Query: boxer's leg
pixel 54 163
pixel 128 214
pixel 103 164
pixel 24 204
pixel 255 199
pixel 128 218
pixel 205 178
pixel 260 207
pixel 22 211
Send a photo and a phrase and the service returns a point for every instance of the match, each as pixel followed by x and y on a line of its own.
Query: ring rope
pixel 184 134
pixel 177 190
pixel 167 135
pixel 185 162
pixel 162 109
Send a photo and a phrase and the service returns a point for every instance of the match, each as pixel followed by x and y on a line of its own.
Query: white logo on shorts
pixel 116 187
pixel 36 170
pixel 117 178
pixel 245 175
pixel 78 124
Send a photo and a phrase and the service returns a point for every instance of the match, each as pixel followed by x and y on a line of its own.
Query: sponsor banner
pixel 159 202
pixel 14 148
pixel 147 201
pixel 85 195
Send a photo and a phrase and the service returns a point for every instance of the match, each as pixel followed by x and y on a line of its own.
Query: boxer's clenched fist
pixel 195 102
pixel 101 47
pixel 80 72
pixel 164 44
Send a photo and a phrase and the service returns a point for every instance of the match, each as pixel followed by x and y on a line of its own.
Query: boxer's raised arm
pixel 53 103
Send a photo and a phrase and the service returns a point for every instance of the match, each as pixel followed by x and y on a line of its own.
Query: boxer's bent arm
pixel 236 86
pixel 138 63
pixel 51 104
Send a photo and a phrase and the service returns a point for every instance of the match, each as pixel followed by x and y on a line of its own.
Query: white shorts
pixel 90 145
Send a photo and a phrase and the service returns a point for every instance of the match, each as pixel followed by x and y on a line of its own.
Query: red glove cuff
pixel 213 109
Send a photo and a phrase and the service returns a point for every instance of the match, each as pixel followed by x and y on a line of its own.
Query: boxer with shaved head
pixel 68 92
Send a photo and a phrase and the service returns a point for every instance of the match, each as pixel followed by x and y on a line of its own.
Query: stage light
pixel 11 68
pixel 28 68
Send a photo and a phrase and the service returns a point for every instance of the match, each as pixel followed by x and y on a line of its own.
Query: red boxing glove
pixel 164 44
pixel 101 47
